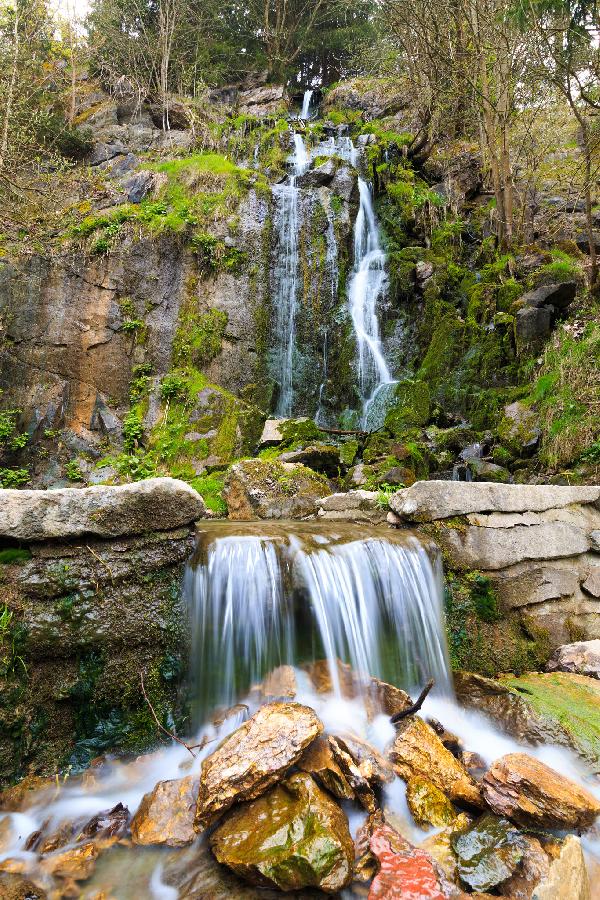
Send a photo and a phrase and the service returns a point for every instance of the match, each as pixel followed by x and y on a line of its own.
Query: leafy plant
pixel 13 478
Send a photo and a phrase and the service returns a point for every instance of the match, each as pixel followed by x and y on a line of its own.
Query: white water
pixel 306 101
pixel 367 287
pixel 293 594
pixel 286 275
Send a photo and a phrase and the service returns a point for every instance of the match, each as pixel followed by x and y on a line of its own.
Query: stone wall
pixel 83 618
pixel 537 547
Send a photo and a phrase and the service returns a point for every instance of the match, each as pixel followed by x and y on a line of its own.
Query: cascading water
pixel 285 276
pixel 306 103
pixel 295 594
pixel 367 286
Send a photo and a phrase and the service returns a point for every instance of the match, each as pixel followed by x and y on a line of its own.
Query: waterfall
pixel 286 275
pixel 293 594
pixel 367 286
pixel 306 101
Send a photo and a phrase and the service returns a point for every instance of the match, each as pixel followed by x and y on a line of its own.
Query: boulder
pixel 581 658
pixel 319 176
pixel 481 470
pixel 279 683
pixel 559 295
pixel 353 506
pixel 532 794
pixel 269 489
pixel 166 814
pixel 417 751
pixel 271 434
pixel 533 324
pixel 293 837
pixel 557 708
pixel 519 428
pixel 439 846
pixel 254 757
pixel 488 852
pixel 428 805
pixel 353 775
pixel 406 872
pixel 567 878
pixel 427 501
pixel 318 761
pixel 371 764
pixel 319 457
pixel 583 241
pixel 157 504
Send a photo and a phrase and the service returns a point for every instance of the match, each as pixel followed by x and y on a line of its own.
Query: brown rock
pixel 319 762
pixel 280 683
pixel 270 489
pixel 320 674
pixel 353 775
pixel 531 793
pixel 75 863
pixel 254 757
pixel 17 887
pixel 371 764
pixel 365 862
pixel 108 823
pixel 567 878
pixel 166 814
pixel 26 793
pixel 386 698
pixel 418 751
pixel 292 837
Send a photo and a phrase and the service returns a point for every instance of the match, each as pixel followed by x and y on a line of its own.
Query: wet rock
pixel 344 184
pixel 531 793
pixel 279 683
pixel 428 805
pixel 254 757
pixel 156 504
pixel 319 457
pixel 320 675
pixel 488 852
pixel 318 760
pixel 537 708
pixel 417 751
pixel 428 501
pixel 439 846
pixel 353 775
pixel 319 176
pixel 166 814
pixel 293 837
pixel 385 698
pixel 567 878
pixel 365 862
pixel 108 823
pixel 75 863
pixel 371 764
pixel 18 887
pixel 26 793
pixel 406 872
pixel 534 867
pixel 353 506
pixel 269 489
pixel 581 658
pixel 475 764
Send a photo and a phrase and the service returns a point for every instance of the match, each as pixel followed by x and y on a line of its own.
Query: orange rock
pixel 406 872
pixel 418 751
pixel 531 793
pixel 76 862
pixel 166 814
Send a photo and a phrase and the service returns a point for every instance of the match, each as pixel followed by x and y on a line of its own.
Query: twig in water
pixel 397 717
pixel 189 747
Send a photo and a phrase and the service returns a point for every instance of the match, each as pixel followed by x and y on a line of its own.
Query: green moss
pixel 211 489
pixel 296 432
pixel 411 406
pixel 14 555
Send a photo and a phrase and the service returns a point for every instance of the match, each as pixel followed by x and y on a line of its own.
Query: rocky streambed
pixel 299 789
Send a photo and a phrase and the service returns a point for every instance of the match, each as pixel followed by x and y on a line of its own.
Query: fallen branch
pixel 416 706
pixel 189 747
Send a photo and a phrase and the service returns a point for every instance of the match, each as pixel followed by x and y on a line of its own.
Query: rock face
pixel 166 814
pixel 254 757
pixel 417 751
pixel 292 837
pixel 260 489
pixel 534 543
pixel 156 504
pixel 582 658
pixel 531 793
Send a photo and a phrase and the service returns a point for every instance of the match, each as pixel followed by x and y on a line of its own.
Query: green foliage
pixel 10 438
pixel 133 429
pixel 199 337
pixel 14 555
pixel 12 637
pixel 485 600
pixel 140 382
pixel 73 470
pixel 296 432
pixel 174 387
pixel 214 255
pixel 210 487
pixel 13 478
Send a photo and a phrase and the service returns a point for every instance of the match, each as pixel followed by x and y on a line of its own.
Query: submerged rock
pixel 292 837
pixel 406 872
pixel 417 751
pixel 254 757
pixel 166 814
pixel 428 805
pixel 581 658
pixel 156 504
pixel 269 489
pixel 488 852
pixel 279 683
pixel 531 793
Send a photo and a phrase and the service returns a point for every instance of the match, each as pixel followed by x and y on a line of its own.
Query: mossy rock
pixel 411 406
pixel 270 489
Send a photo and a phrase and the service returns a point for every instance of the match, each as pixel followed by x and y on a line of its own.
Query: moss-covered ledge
pixel 84 618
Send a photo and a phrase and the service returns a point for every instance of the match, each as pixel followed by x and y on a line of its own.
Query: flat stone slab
pixel 352 506
pixel 157 504
pixel 426 501
pixel 496 548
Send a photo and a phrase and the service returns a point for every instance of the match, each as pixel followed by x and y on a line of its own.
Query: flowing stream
pixel 261 595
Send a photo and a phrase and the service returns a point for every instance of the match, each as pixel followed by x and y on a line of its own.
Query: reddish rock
pixel 406 872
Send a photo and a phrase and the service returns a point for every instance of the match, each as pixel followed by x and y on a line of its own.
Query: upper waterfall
pixel 306 102
pixel 262 596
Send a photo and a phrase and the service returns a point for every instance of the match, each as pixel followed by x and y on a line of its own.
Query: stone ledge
pixel 157 504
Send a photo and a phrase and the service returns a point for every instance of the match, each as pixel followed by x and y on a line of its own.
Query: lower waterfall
pixel 261 597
